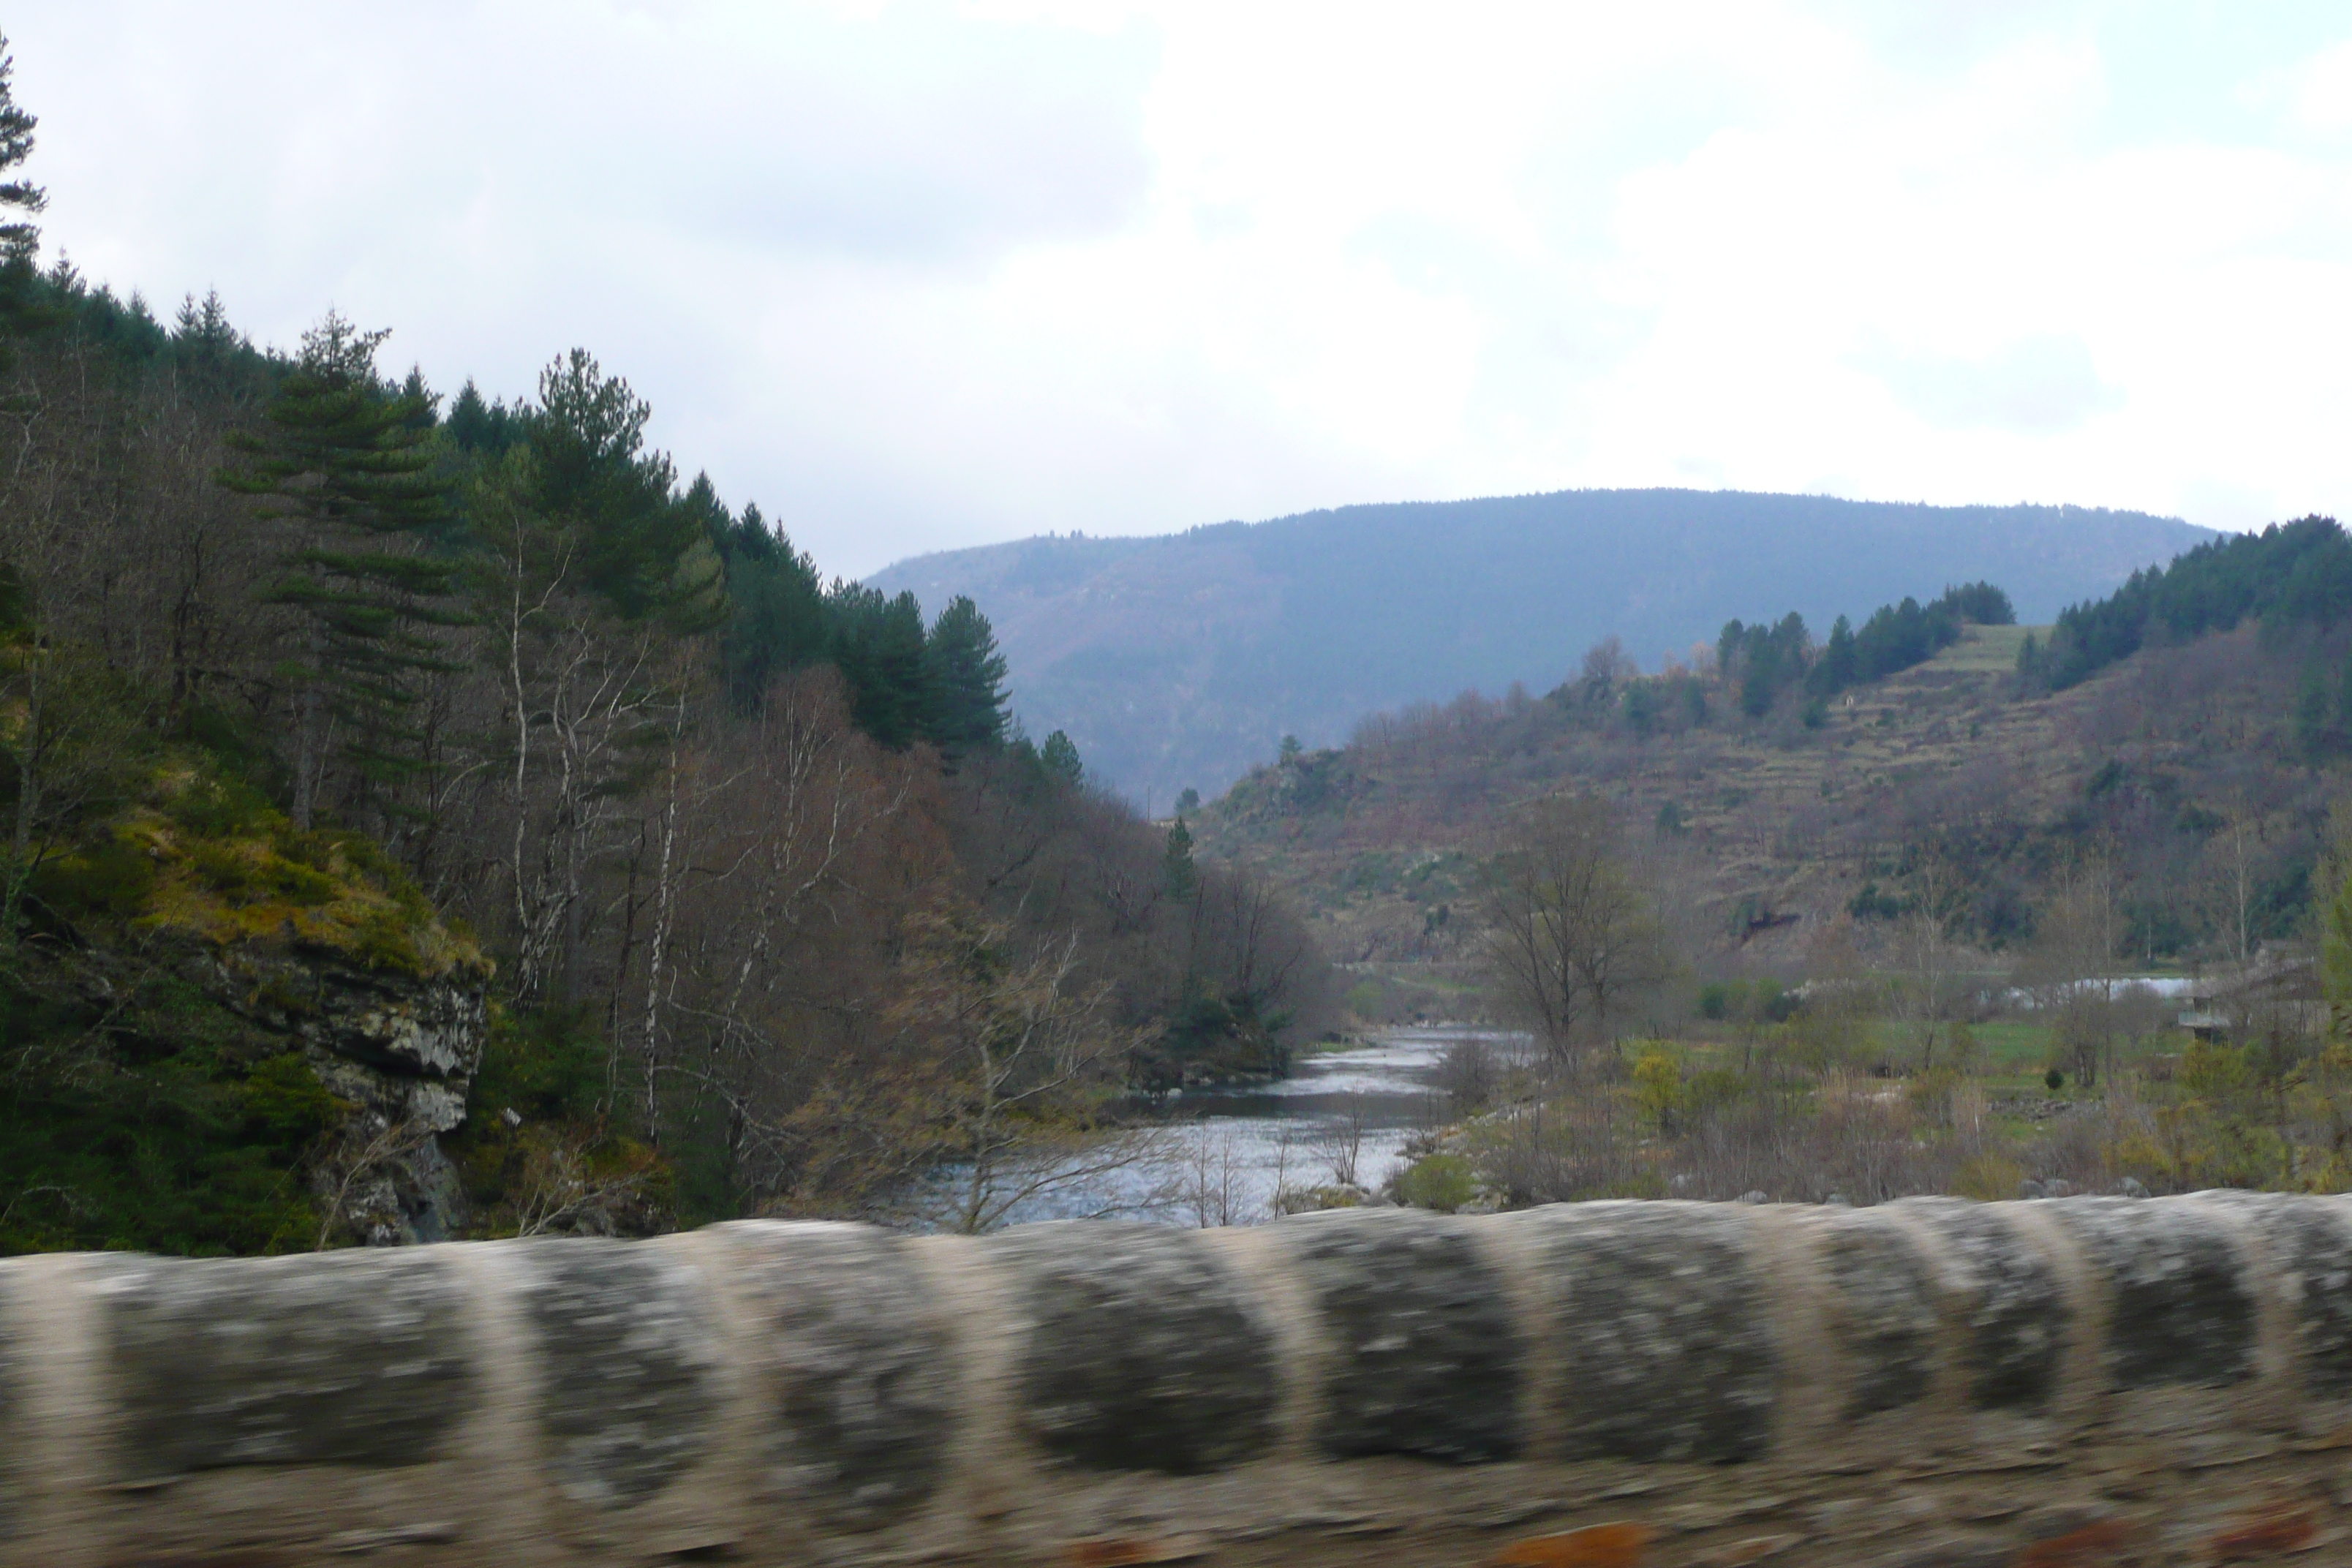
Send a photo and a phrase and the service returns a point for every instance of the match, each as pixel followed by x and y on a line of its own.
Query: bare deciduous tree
pixel 1339 1143
pixel 1023 1060
pixel 1572 936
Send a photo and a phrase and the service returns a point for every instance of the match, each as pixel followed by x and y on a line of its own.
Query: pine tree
pixel 878 644
pixel 202 328
pixel 643 551
pixel 480 427
pixel 1059 756
pixel 965 681
pixel 344 464
pixel 776 615
pixel 20 237
pixel 1839 666
pixel 1182 877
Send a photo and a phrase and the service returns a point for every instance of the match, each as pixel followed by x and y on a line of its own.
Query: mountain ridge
pixel 1181 660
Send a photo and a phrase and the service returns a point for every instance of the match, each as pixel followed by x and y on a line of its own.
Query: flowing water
pixel 1221 1154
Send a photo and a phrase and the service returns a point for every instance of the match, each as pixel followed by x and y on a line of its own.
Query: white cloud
pixel 917 275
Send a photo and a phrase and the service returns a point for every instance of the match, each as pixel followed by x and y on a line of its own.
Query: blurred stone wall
pixel 1931 1383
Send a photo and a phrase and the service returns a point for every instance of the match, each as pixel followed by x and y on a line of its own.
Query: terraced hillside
pixel 2193 780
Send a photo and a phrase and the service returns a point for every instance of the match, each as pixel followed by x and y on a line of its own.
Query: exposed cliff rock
pixel 292 991
pixel 400 1048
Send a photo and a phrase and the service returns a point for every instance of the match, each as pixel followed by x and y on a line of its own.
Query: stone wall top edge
pixel 2222 1201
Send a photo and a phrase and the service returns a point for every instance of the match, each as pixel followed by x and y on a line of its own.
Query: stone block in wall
pixel 1882 1317
pixel 1140 1348
pixel 1661 1328
pixel 857 1388
pixel 181 1407
pixel 2179 1309
pixel 2306 1253
pixel 2012 1308
pixel 628 1352
pixel 1424 1352
pixel 347 1358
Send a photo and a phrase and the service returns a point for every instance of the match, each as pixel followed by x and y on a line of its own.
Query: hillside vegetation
pixel 1780 929
pixel 433 816
pixel 1180 661
pixel 2197 774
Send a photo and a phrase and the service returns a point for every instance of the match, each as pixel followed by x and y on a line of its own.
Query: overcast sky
pixel 922 276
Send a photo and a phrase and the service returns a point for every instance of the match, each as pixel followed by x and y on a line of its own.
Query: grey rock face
pixel 395 1023
pixel 1662 1326
pixel 351 1358
pixel 862 1377
pixel 1141 1352
pixel 2017 1312
pixel 1428 1358
pixel 628 1400
pixel 402 1049
pixel 2182 1314
pixel 1883 1307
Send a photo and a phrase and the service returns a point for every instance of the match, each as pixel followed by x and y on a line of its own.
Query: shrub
pixel 110 878
pixel 1440 1182
pixel 1987 1178
pixel 1658 1087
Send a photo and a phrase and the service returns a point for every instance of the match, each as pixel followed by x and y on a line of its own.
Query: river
pixel 1220 1156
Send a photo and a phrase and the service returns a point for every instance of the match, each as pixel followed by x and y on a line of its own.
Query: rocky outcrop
pixel 400 1047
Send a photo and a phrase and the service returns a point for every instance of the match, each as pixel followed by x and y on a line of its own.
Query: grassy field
pixel 1987 651
pixel 2014 1048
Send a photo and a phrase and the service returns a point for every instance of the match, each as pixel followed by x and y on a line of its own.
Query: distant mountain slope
pixel 1184 658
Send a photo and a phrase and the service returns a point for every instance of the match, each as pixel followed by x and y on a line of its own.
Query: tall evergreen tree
pixel 776 609
pixel 1182 877
pixel 965 681
pixel 20 200
pixel 20 237
pixel 641 549
pixel 1838 666
pixel 203 329
pixel 343 462
pixel 1060 756
pixel 879 644
pixel 478 426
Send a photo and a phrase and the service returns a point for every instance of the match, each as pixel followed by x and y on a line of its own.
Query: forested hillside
pixel 1181 661
pixel 1785 790
pixel 435 816
pixel 2290 577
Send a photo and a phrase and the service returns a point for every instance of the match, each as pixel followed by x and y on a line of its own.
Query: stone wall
pixel 1933 1382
